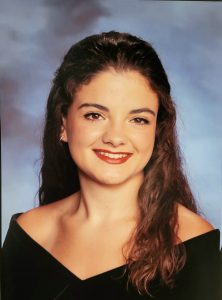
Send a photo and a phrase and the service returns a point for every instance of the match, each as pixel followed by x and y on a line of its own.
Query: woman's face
pixel 110 126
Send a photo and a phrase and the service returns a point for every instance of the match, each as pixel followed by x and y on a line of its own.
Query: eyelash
pixel 88 115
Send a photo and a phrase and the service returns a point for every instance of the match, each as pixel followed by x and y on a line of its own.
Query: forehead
pixel 125 88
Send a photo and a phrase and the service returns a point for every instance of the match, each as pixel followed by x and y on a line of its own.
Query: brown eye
pixel 141 121
pixel 92 116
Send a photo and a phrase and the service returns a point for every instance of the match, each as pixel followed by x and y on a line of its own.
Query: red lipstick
pixel 108 151
pixel 112 160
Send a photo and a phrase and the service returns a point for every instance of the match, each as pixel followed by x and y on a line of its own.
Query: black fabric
pixel 30 272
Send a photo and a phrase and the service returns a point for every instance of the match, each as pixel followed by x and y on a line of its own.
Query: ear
pixel 63 131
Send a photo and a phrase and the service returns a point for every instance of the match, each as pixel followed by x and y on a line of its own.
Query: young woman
pixel 117 219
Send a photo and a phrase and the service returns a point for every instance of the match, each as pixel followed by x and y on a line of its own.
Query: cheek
pixel 145 141
pixel 82 134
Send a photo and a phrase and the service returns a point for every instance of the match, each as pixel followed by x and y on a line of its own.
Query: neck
pixel 100 204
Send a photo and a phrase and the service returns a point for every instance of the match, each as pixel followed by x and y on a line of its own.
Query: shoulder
pixel 41 222
pixel 190 224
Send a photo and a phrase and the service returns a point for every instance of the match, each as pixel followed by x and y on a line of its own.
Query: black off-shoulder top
pixel 29 272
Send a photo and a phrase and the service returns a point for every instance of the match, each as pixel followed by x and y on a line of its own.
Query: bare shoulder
pixel 191 224
pixel 40 222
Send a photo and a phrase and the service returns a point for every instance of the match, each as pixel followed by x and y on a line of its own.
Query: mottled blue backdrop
pixel 36 34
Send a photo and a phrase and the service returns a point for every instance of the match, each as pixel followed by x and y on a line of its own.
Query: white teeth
pixel 111 155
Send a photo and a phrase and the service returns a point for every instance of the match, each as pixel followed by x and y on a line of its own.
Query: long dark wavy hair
pixel 152 252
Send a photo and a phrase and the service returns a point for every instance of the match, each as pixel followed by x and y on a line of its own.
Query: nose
pixel 115 136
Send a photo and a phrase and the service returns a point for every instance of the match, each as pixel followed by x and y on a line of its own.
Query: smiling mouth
pixel 111 157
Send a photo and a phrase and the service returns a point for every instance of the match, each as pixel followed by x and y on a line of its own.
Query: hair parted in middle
pixel 151 250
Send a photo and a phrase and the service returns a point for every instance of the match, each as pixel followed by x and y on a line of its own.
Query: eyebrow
pixel 134 111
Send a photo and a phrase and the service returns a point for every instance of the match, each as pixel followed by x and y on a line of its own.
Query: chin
pixel 110 179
